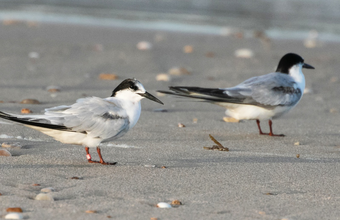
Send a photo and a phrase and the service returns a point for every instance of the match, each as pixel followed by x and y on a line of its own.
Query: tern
pixel 92 120
pixel 263 97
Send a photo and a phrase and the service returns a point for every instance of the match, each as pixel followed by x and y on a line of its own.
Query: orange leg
pixel 88 156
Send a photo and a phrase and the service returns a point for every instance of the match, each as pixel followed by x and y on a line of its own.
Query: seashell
pixel 108 76
pixel 229 119
pixel 25 111
pixel 14 209
pixel 144 45
pixel 47 190
pixel 4 152
pixel 11 145
pixel 163 205
pixel 44 196
pixel 163 77
pixel 29 101
pixel 91 211
pixel 176 202
pixel 180 125
pixel 244 53
pixel 53 89
pixel 14 215
pixel 188 49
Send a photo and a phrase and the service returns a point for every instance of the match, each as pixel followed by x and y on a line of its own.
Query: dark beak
pixel 307 66
pixel 151 97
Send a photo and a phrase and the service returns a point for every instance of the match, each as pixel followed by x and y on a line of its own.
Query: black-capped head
pixel 289 60
pixel 133 90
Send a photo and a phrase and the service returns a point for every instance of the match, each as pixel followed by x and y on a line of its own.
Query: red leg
pixel 271 130
pixel 258 125
pixel 101 158
pixel 88 156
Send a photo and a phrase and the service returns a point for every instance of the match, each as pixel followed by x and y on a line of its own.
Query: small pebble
pixel 177 71
pixel 47 190
pixel 194 120
pixel 149 165
pixel 310 43
pixel 5 153
pixel 29 101
pixel 153 218
pixel 53 89
pixel 244 53
pixel 163 167
pixel 163 205
pixel 334 79
pixel 163 77
pixel 297 143
pixel 108 76
pixel 229 119
pixel 210 54
pixel 14 209
pixel 44 196
pixel 180 125
pixel 144 45
pixel 34 55
pixel 35 184
pixel 14 215
pixel 188 49
pixel 16 145
pixel 176 202
pixel 307 91
pixel 333 110
pixel 262 213
pixel 298 156
pixel 91 211
pixel 25 111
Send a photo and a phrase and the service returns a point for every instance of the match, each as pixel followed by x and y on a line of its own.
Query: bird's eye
pixel 133 87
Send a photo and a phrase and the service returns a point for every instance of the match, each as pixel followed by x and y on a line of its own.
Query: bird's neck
pixel 133 110
pixel 296 73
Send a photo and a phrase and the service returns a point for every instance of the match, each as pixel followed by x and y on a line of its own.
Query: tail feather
pixel 203 94
pixel 26 121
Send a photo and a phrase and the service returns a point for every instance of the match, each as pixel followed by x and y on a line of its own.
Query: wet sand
pixel 259 178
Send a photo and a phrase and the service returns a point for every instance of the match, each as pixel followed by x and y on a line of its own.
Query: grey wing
pixel 94 116
pixel 272 89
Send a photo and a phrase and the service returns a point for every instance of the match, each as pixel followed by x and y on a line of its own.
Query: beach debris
pixel 108 76
pixel 160 110
pixel 15 145
pixel 76 178
pixel 231 120
pixel 90 211
pixel 14 215
pixel 188 49
pixel 0 194
pixel 262 213
pixel 5 153
pixel 35 184
pixel 177 71
pixel 144 45
pixel 311 41
pixel 163 77
pixel 218 145
pixel 163 205
pixel 210 54
pixel 25 111
pixel 150 165
pixel 163 167
pixel 53 89
pixel 297 143
pixel 98 47
pixel 333 110
pixel 152 218
pixel 244 53
pixel 180 125
pixel 47 190
pixel 298 156
pixel 334 79
pixel 10 22
pixel 14 209
pixel 34 55
pixel 176 203
pixel 29 101
pixel 194 120
pixel 44 196
pixel 271 194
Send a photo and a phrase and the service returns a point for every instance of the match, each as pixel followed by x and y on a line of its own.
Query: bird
pixel 92 120
pixel 264 97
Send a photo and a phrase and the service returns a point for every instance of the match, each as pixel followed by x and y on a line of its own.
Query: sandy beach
pixel 259 178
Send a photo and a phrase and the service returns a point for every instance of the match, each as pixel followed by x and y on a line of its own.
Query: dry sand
pixel 259 178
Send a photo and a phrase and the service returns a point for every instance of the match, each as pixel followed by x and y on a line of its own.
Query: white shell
pixel 163 205
pixel 47 190
pixel 244 53
pixel 14 215
pixel 144 45
pixel 44 196
pixel 163 77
